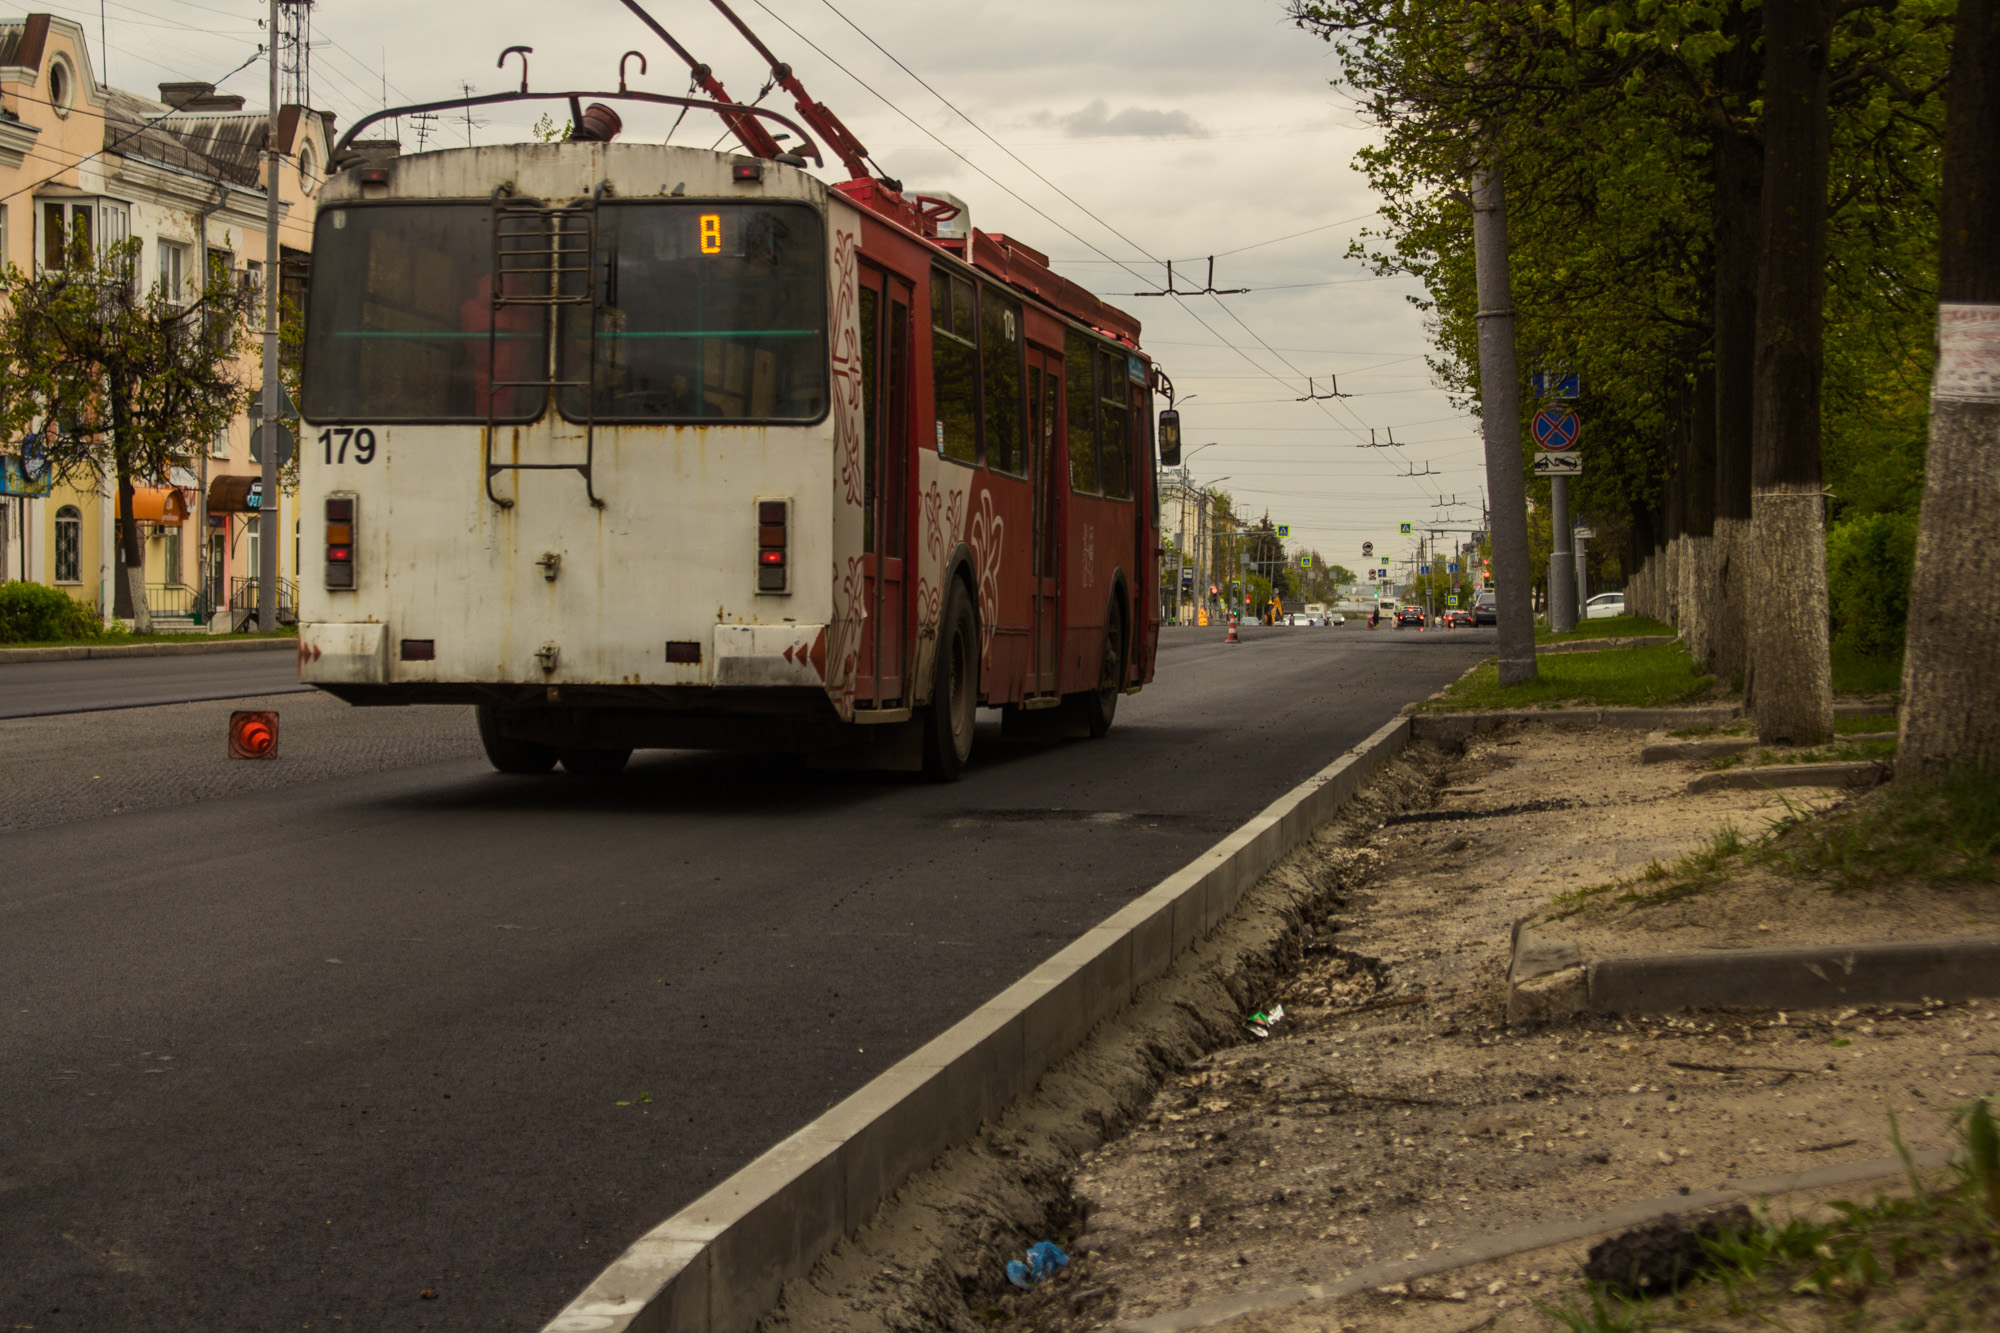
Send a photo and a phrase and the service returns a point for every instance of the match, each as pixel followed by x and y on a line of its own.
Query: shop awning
pixel 163 506
pixel 236 495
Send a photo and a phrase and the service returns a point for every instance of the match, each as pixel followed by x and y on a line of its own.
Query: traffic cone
pixel 1232 632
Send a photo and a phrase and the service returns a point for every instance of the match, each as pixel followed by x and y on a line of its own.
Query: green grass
pixel 1921 1261
pixel 1662 881
pixel 1648 677
pixel 1848 753
pixel 120 640
pixel 1945 830
pixel 1611 627
pixel 1863 726
pixel 1859 673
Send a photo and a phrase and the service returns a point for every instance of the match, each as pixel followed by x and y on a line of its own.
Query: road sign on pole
pixel 1558 384
pixel 1559 465
pixel 1284 529
pixel 1404 529
pixel 1557 428
pixel 1367 548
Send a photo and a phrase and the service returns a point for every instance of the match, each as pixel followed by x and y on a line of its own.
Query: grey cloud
pixel 1098 119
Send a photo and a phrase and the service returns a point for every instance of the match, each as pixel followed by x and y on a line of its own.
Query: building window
pixel 253 546
pixel 173 553
pixel 174 273
pixel 69 544
pixel 308 169
pixel 64 226
pixel 219 446
pixel 62 86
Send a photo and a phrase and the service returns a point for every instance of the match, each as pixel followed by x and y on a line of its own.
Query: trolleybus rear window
pixel 705 312
pixel 401 322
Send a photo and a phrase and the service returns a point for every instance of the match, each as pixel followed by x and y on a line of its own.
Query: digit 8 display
pixel 711 233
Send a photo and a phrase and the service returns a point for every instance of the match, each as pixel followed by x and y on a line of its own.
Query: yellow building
pixel 184 173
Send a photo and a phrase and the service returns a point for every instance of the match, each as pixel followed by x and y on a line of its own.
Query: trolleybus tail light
pixel 340 516
pixel 774 526
pixel 746 170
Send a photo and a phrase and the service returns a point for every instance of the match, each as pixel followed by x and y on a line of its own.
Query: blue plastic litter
pixel 1045 1260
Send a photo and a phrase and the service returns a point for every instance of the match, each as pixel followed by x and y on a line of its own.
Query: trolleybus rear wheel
pixel 954 706
pixel 508 755
pixel 595 763
pixel 1100 706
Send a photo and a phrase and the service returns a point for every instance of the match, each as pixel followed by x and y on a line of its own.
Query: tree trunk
pixel 1792 692
pixel 1697 563
pixel 1738 166
pixel 1500 422
pixel 131 581
pixel 1951 707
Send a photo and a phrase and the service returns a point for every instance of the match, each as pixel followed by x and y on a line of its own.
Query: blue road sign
pixel 1557 428
pixel 1423 569
pixel 1558 384
pixel 1404 528
pixel 1284 529
pixel 1451 568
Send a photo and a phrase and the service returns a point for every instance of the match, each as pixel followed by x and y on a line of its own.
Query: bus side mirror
pixel 1170 438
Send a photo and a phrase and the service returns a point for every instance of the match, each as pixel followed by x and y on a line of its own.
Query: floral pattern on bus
pixel 850 603
pixel 942 516
pixel 846 352
pixel 985 538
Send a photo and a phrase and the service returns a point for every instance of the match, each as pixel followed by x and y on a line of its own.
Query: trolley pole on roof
pixel 267 505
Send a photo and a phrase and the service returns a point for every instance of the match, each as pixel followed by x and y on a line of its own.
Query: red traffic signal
pixel 253 735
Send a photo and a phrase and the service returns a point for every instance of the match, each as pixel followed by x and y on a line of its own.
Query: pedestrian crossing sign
pixel 1284 529
pixel 1305 562
pixel 1404 528
pixel 1451 600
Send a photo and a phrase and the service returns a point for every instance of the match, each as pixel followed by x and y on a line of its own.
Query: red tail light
pixel 253 735
pixel 341 513
pixel 774 525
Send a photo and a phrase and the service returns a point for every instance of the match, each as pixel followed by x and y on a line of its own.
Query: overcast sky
pixel 1188 127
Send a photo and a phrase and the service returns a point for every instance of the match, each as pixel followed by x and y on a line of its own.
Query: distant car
pixel 1410 615
pixel 1456 617
pixel 1604 605
pixel 1336 619
pixel 1485 609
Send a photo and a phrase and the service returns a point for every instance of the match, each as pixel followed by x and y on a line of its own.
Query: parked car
pixel 1604 605
pixel 1410 615
pixel 1485 608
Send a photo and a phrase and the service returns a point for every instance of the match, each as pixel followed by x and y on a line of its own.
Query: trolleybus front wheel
pixel 954 706
pixel 509 755
pixel 595 763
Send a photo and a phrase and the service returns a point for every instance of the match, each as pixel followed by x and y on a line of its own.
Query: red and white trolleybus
pixel 634 445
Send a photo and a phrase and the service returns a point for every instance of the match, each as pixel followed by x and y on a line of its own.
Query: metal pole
pixel 1582 575
pixel 1500 422
pixel 1562 615
pixel 268 507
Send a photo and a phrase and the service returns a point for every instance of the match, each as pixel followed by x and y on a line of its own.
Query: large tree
pixel 124 383
pixel 1951 706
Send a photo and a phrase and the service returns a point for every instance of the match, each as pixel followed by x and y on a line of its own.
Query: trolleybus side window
pixel 1001 356
pixel 955 366
pixel 1079 360
pixel 705 311
pixel 1114 445
pixel 401 326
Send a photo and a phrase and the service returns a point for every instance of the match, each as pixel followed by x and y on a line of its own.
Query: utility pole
pixel 1562 614
pixel 1500 422
pixel 268 508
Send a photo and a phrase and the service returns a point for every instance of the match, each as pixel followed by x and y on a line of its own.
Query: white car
pixel 1604 605
pixel 1336 619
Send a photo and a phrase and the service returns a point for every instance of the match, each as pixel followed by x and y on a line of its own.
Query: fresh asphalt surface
pixel 369 1036
pixel 32 689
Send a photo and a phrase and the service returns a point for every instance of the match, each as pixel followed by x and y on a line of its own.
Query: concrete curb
pixel 1439 726
pixel 1667 752
pixel 1814 977
pixel 1595 645
pixel 719 1264
pixel 91 652
pixel 1856 773
pixel 1525 1239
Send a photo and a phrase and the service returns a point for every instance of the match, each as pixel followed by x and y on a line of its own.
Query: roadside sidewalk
pixel 1392 1117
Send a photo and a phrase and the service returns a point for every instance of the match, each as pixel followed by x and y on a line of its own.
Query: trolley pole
pixel 1562 613
pixel 268 508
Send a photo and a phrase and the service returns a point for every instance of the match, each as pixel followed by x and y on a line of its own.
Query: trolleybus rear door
pixel 1044 410
pixel 885 377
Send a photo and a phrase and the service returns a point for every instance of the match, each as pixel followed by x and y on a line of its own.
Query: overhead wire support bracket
pixel 1314 396
pixel 1427 472
pixel 1208 289
pixel 1373 443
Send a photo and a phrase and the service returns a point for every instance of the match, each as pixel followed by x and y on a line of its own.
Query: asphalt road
pixel 289 1044
pixel 33 689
